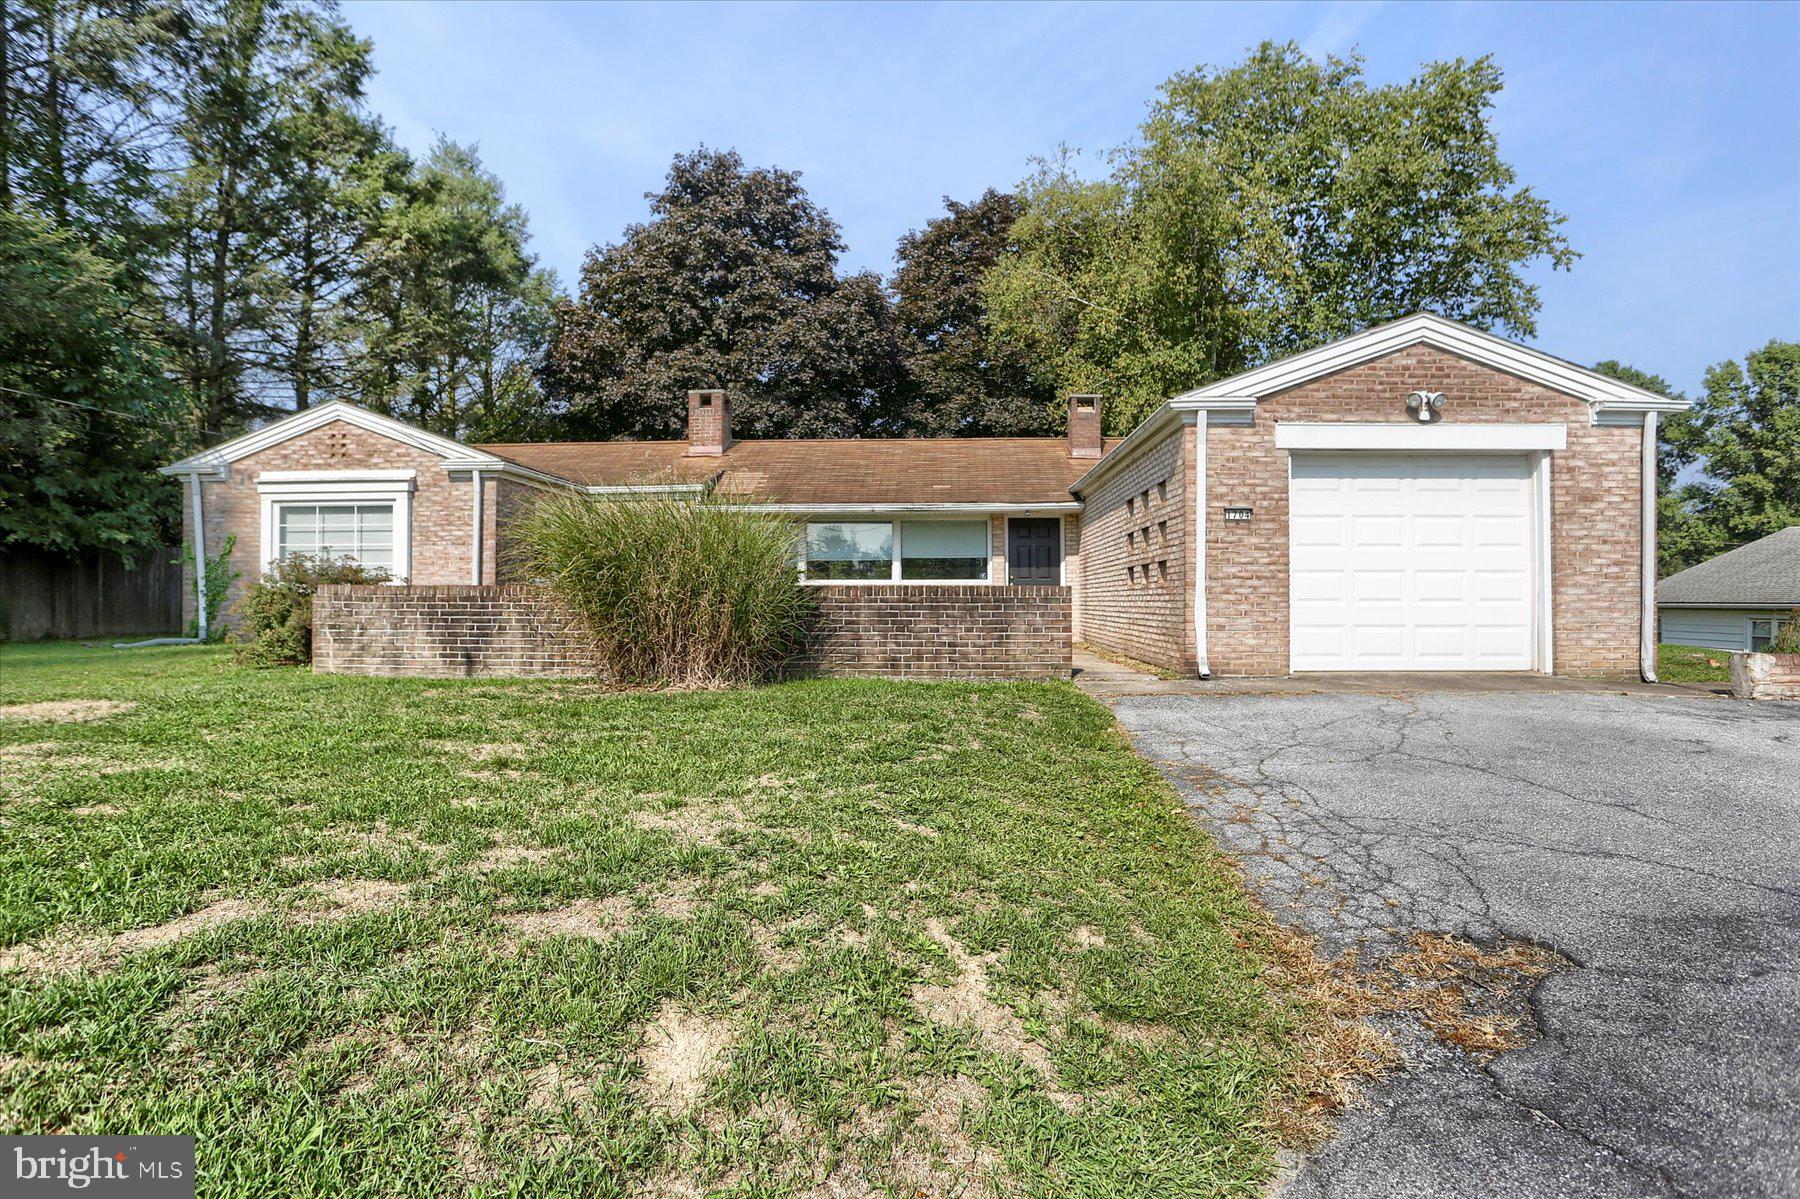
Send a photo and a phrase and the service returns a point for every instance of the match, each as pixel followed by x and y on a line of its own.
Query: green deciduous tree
pixel 455 310
pixel 85 416
pixel 732 283
pixel 1744 433
pixel 962 381
pixel 1266 208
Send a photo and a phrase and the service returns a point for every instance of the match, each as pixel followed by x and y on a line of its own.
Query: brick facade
pixel 1135 563
pixel 910 631
pixel 447 631
pixel 1595 498
pixel 442 517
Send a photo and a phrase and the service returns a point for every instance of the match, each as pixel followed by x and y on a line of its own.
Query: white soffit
pixel 1399 436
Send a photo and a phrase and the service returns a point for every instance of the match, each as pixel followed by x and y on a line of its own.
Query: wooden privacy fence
pixel 92 595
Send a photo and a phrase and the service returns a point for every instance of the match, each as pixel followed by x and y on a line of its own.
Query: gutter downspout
pixel 199 557
pixel 1647 625
pixel 1200 655
pixel 475 545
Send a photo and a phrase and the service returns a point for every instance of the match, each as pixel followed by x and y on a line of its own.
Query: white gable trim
pixel 1440 333
pixel 1404 436
pixel 215 460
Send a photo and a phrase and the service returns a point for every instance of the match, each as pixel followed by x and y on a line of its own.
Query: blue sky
pixel 1669 135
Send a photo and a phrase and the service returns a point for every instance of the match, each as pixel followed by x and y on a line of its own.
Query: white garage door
pixel 1410 562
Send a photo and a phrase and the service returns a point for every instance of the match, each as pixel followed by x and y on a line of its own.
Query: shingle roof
pixel 937 470
pixel 1763 574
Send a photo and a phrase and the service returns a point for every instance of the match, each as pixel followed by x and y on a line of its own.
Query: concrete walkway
pixel 1106 680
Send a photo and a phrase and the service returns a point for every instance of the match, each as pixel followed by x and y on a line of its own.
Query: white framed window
pixel 362 533
pixel 365 515
pixel 1761 633
pixel 895 551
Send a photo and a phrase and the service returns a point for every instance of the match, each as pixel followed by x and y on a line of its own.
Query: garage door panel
pixel 1410 562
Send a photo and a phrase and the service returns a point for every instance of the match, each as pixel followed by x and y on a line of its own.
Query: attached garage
pixel 1412 561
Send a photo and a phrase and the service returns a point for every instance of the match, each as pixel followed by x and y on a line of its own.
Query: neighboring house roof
pixel 1763 574
pixel 975 471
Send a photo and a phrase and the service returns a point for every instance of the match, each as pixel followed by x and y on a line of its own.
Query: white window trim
pixel 1750 623
pixel 894 579
pixel 1402 437
pixel 284 487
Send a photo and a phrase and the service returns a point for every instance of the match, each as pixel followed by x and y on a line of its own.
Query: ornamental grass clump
pixel 675 592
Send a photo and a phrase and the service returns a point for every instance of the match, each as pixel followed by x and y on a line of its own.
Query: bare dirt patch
pixel 700 822
pixel 67 711
pixel 355 896
pixel 74 953
pixel 681 1050
pixel 966 1000
pixel 596 919
pixel 1088 937
pixel 504 857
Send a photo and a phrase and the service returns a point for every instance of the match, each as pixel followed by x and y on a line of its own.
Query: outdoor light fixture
pixel 1425 404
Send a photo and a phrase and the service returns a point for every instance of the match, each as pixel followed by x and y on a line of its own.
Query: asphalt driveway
pixel 1653 840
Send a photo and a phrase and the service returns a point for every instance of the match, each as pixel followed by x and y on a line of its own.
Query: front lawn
pixel 1692 664
pixel 411 937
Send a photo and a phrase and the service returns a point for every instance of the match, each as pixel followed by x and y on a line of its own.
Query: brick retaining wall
pixel 925 631
pixel 1765 676
pixel 912 631
pixel 447 631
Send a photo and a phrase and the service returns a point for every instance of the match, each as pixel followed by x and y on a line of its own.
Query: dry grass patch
pixel 966 1001
pixel 75 953
pixel 67 711
pixel 700 822
pixel 681 1050
pixel 595 919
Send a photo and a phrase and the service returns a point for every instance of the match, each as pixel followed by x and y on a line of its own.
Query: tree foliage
pixel 207 224
pixel 962 381
pixel 1740 447
pixel 84 412
pixel 1267 208
pixel 733 283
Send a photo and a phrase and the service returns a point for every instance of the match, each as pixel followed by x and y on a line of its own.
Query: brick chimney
pixel 709 422
pixel 1084 426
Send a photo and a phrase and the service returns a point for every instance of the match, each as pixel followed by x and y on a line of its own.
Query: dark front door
pixel 1034 552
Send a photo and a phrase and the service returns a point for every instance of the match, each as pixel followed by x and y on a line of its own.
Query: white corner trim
pixel 269 478
pixel 1647 554
pixel 1453 337
pixel 1405 436
pixel 1201 659
pixel 220 456
pixel 1543 529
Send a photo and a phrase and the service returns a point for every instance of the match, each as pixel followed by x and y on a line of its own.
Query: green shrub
pixel 1786 639
pixel 675 592
pixel 276 613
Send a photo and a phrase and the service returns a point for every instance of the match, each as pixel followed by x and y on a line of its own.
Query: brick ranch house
pixel 1419 496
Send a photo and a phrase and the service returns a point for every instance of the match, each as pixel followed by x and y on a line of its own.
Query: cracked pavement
pixel 1654 841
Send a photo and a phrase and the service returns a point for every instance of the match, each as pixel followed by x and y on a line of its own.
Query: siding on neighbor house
pixel 1710 628
pixel 1595 498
